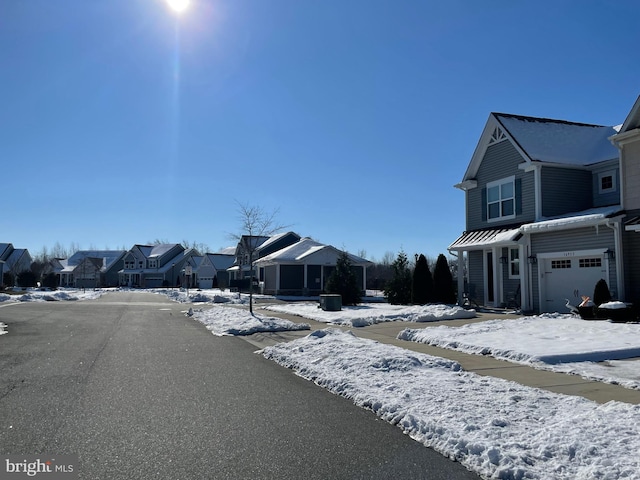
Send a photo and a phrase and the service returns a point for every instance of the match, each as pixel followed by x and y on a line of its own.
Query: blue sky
pixel 122 122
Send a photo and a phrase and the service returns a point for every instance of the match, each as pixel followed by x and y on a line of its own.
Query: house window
pixel 501 202
pixel 607 182
pixel 514 263
pixel 590 262
pixel 560 264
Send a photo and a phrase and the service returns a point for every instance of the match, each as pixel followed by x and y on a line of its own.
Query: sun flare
pixel 178 5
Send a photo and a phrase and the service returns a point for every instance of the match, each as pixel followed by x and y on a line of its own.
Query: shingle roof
pixel 560 141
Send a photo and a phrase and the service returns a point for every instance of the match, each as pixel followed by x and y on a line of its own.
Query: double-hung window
pixel 501 199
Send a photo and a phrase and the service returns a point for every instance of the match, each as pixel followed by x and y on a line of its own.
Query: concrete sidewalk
pixel 387 332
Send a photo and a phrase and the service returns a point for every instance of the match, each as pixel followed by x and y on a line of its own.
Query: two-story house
pixel 627 140
pixel 13 261
pixel 151 266
pixel 90 268
pixel 543 214
pixel 253 247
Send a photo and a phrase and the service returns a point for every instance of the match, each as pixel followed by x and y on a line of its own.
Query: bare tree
pixel 255 222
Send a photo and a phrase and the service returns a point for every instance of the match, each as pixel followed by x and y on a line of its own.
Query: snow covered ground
pixel 369 314
pixel 497 428
pixel 206 296
pixel 554 342
pixel 223 320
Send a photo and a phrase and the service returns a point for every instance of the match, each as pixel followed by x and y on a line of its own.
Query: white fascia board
pixel 467 185
pixel 622 139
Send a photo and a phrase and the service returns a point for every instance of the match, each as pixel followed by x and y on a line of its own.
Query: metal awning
pixel 484 238
pixel 632 225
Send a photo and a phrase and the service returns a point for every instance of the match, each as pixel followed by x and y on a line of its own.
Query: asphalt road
pixel 139 391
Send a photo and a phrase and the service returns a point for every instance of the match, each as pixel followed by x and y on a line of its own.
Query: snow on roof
pixel 586 218
pixel 110 256
pixel 484 238
pixel 292 252
pixel 559 141
pixel 302 250
pixel 161 249
pixel 226 251
pixel 221 261
pixel 274 238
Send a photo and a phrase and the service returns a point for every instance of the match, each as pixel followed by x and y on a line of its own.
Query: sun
pixel 178 5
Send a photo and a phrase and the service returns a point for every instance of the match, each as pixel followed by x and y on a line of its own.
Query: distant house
pixel 544 220
pixel 89 268
pixel 13 261
pixel 151 266
pixel 303 268
pixel 260 246
pixel 211 270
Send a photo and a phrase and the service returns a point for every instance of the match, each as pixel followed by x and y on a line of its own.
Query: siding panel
pixel 565 190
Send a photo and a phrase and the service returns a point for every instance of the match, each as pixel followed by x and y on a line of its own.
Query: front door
pixel 490 292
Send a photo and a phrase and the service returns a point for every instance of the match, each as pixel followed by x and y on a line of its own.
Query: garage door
pixel 570 278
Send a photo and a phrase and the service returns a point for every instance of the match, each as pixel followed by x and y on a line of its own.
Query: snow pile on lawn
pixel 52 296
pixel 237 321
pixel 554 342
pixel 205 296
pixel 494 427
pixel 363 315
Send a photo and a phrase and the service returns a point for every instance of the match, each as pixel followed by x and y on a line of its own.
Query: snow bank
pixel 494 427
pixel 363 315
pixel 3 326
pixel 205 296
pixel 236 321
pixel 52 296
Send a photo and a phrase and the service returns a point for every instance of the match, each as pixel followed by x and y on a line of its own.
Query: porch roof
pixel 632 225
pixel 484 238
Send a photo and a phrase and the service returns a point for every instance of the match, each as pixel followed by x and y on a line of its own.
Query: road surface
pixel 139 391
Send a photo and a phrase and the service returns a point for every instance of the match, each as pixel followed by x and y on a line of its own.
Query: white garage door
pixel 570 278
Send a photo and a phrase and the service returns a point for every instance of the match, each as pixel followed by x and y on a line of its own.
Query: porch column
pixel 524 278
pixel 461 274
pixel 497 276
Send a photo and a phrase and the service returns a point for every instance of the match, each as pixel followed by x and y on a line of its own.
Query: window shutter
pixel 518 194
pixel 484 204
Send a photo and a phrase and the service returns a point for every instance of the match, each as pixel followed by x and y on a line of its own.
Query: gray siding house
pixel 627 140
pixel 91 268
pixel 543 214
pixel 303 268
pixel 152 266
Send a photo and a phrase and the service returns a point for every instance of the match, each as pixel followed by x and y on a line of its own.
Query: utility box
pixel 331 302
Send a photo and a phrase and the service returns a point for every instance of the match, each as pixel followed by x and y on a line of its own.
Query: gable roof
pixel 633 119
pixel 545 140
pixel 220 261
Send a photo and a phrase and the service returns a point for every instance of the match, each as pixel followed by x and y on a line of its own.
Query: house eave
pixel 621 139
pixel 467 185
